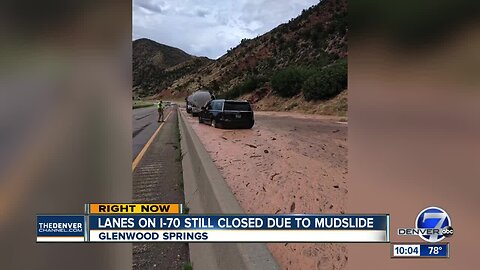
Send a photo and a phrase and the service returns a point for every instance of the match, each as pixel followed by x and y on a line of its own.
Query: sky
pixel 210 27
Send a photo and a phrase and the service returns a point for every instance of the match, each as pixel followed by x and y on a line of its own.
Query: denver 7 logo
pixel 434 218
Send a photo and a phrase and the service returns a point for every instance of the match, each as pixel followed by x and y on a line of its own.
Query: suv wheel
pixel 200 121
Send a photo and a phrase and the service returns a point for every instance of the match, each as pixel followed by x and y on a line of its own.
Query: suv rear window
pixel 237 106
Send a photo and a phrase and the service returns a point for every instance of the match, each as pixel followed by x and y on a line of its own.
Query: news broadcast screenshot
pixel 239 134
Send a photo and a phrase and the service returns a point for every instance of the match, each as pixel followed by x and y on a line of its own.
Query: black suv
pixel 221 113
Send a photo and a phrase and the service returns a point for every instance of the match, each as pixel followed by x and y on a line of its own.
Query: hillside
pixel 157 66
pixel 304 59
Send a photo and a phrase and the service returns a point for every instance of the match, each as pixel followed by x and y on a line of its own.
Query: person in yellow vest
pixel 159 106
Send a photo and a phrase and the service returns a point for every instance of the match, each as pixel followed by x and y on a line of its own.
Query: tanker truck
pixel 197 100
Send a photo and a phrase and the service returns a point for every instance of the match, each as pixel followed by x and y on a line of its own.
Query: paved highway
pixel 144 124
pixel 157 177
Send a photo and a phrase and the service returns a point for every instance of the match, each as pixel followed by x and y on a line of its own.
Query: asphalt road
pixel 144 124
pixel 157 179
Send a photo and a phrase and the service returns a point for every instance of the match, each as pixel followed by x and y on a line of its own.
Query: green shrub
pixel 247 86
pixel 288 82
pixel 327 82
pixel 187 266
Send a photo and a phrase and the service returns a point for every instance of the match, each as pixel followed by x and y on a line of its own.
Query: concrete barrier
pixel 207 192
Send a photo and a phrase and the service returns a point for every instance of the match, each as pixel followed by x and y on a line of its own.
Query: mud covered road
pixel 287 163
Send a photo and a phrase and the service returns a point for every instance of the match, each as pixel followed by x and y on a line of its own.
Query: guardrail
pixel 207 192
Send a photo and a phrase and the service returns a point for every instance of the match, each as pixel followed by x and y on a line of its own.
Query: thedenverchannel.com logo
pixel 432 225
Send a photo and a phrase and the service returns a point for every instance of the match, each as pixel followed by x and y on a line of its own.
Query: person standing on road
pixel 159 106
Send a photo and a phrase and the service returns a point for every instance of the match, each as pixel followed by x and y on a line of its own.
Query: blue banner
pixel 249 222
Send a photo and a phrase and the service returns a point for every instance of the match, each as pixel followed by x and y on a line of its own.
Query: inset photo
pixel 241 107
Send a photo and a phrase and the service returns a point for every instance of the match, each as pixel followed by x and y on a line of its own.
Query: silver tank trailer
pixel 197 100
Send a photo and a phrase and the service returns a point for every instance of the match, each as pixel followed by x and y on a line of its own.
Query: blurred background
pixel 65 122
pixel 65 116
pixel 414 128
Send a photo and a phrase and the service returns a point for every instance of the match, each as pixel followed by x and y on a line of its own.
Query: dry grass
pixel 337 106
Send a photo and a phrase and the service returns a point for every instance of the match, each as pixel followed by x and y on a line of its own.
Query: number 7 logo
pixel 433 218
